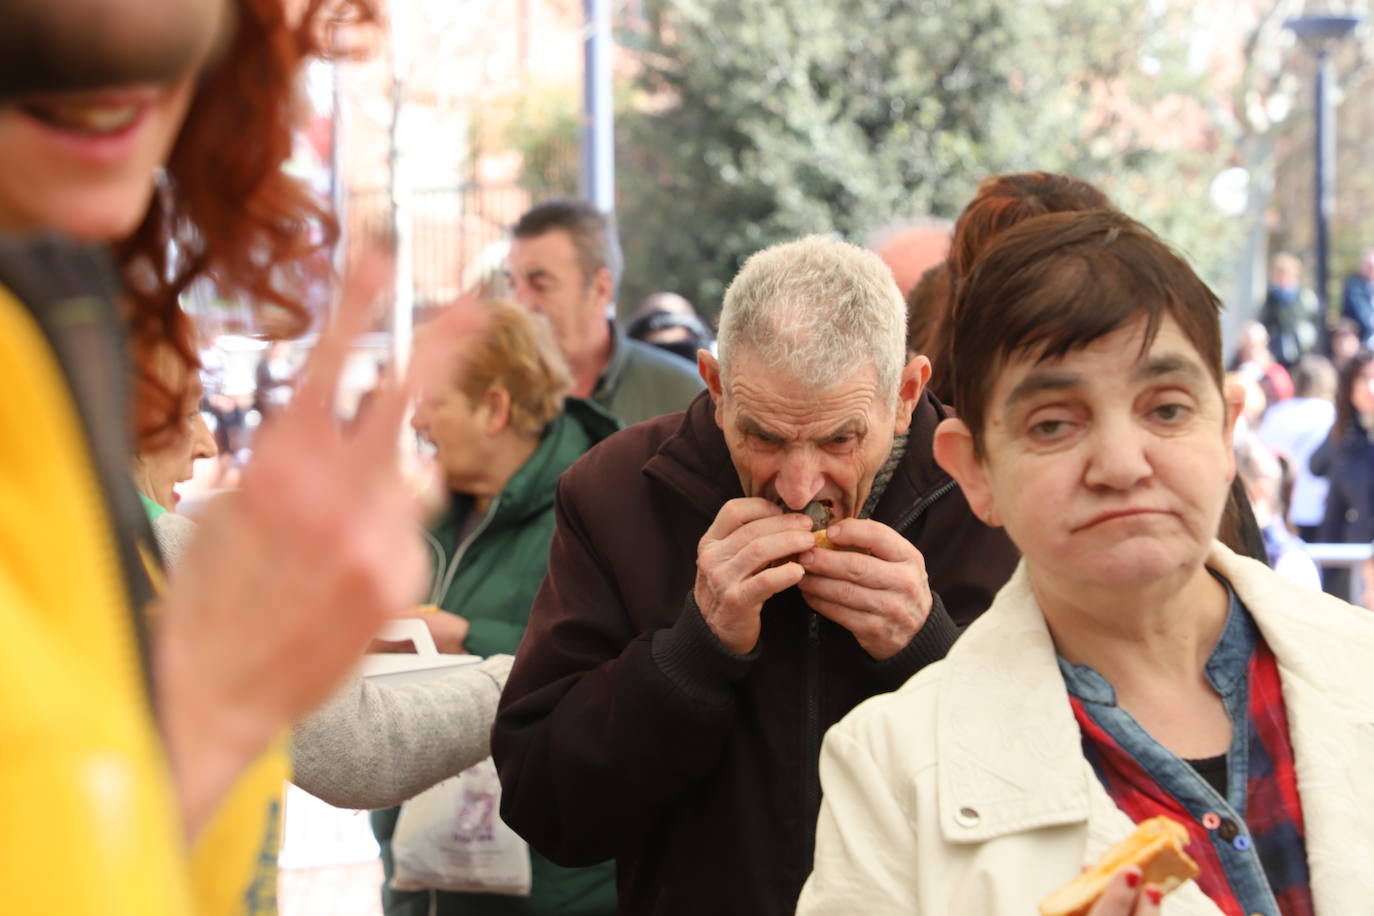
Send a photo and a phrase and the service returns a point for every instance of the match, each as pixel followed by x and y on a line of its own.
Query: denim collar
pixel 1226 668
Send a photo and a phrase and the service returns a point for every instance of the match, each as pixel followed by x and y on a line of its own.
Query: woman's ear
pixel 496 405
pixel 955 453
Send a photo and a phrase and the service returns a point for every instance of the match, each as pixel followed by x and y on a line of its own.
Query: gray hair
pixel 818 310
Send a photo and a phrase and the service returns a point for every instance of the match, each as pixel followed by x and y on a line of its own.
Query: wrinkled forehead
pixel 79 45
pixel 777 399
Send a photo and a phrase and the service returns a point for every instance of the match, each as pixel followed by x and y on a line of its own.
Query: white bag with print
pixel 451 837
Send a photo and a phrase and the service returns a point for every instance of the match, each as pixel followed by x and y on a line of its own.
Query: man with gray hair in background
pixel 691 643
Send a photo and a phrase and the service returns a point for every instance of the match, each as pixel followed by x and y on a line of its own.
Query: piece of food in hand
pixel 821 515
pixel 1156 847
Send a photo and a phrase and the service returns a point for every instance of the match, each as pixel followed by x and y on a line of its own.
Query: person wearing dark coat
pixel 1346 460
pixel 690 644
pixel 1357 298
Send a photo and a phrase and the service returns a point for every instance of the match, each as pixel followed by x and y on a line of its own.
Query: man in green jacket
pixel 504 432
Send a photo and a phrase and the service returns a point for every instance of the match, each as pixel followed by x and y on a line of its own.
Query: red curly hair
pixel 1001 202
pixel 227 212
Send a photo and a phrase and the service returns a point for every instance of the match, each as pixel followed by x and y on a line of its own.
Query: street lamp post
pixel 598 113
pixel 1319 34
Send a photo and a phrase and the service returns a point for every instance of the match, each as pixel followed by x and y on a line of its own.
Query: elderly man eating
pixel 690 645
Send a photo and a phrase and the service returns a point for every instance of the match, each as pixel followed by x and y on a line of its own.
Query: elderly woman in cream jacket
pixel 1132 667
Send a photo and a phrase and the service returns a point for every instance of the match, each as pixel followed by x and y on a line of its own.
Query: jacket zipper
pixel 443 579
pixel 923 505
pixel 811 779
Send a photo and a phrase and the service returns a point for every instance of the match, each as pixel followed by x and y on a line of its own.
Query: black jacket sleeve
pixel 605 721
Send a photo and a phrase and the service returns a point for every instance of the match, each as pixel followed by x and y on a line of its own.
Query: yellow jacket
pixel 84 786
pixel 91 817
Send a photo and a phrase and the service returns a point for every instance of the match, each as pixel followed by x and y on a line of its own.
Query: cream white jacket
pixel 966 791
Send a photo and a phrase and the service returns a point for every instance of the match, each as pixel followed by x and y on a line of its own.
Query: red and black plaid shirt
pixel 1223 846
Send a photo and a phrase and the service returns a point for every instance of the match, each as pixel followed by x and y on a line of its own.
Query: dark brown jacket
pixel 628 731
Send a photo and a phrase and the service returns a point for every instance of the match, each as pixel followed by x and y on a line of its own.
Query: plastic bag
pixel 451 837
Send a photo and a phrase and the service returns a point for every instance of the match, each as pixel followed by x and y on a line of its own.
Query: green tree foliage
pixel 761 120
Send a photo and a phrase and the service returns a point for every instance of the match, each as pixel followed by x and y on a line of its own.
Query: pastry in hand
pixel 1156 847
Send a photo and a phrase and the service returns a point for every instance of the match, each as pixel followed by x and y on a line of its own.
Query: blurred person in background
pixel 1254 359
pixel 1263 476
pixel 274 378
pixel 109 804
pixel 1289 311
pixel 912 248
pixel 1357 298
pixel 1253 406
pixel 1345 342
pixel 1001 202
pixel 504 432
pixel 1346 460
pixel 1293 429
pixel 167 455
pixel 668 320
pixel 565 264
pixel 924 304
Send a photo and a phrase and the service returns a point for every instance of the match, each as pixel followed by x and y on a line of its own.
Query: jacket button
pixel 1352 515
pixel 967 817
pixel 1211 821
pixel 1228 830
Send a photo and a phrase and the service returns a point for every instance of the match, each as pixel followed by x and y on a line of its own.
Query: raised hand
pixel 288 580
pixel 880 593
pixel 736 571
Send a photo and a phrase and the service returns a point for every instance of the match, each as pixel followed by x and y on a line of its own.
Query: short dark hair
pixel 1056 283
pixel 591 231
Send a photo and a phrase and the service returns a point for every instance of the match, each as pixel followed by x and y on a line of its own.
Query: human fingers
pixel 436 357
pixel 737 512
pixel 1122 895
pixel 761 543
pixel 320 376
pixel 750 592
pixel 909 598
pixel 871 537
pixel 905 572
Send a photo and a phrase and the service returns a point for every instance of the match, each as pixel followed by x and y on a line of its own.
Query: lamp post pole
pixel 1325 170
pixel 598 114
pixel 1319 34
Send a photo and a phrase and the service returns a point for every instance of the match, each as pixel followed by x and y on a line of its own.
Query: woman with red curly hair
pixel 128 730
pixel 1002 201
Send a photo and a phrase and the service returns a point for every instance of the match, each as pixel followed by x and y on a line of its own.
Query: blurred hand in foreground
pixel 286 584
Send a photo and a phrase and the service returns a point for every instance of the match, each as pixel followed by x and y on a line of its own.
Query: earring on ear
pixel 987 516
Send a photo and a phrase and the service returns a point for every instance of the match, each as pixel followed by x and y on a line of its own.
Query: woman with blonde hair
pixel 504 430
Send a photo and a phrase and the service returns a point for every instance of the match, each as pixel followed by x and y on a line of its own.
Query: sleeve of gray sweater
pixel 172 533
pixel 376 745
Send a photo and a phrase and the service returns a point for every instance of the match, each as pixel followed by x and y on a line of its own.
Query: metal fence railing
pixel 459 234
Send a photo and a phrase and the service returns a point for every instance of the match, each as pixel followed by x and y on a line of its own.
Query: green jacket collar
pixel 531 489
